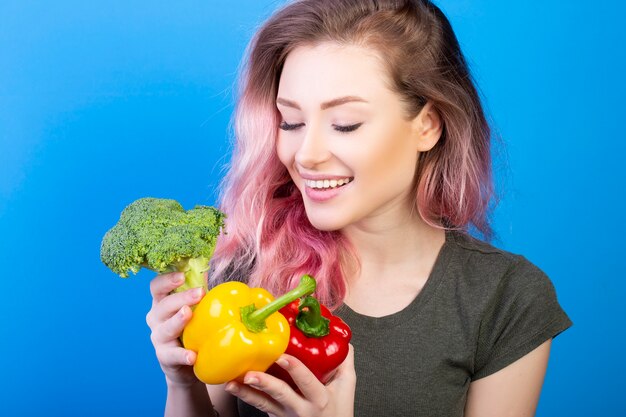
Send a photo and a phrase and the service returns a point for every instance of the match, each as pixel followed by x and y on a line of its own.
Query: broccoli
pixel 160 235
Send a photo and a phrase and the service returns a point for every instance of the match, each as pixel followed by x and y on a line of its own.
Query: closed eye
pixel 287 126
pixel 338 128
pixel 349 128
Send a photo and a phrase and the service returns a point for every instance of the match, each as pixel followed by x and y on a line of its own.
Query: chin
pixel 325 223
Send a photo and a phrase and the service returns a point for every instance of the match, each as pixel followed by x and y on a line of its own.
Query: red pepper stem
pixel 310 320
pixel 254 320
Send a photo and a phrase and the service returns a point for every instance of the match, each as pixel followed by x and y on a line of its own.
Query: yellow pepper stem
pixel 254 320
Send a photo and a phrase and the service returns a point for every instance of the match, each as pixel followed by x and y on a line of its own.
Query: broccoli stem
pixel 194 269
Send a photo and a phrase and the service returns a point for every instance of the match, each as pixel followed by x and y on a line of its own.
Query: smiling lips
pixel 321 190
pixel 324 184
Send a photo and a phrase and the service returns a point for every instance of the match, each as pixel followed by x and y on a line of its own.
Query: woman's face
pixel 345 138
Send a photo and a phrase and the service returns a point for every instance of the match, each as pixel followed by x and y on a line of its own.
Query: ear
pixel 427 126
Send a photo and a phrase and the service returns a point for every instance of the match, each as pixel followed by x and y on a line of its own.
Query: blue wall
pixel 105 102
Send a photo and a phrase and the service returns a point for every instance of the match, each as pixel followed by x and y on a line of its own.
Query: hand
pixel 277 398
pixel 167 319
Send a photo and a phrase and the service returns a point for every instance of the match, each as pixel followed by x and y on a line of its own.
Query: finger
pixel 310 387
pixel 255 398
pixel 345 373
pixel 172 328
pixel 277 389
pixel 171 304
pixel 175 355
pixel 164 284
pixel 347 366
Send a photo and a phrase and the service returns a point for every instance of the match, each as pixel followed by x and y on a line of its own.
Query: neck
pixel 387 246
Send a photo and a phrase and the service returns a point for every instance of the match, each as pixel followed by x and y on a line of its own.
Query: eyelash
pixel 287 126
pixel 344 129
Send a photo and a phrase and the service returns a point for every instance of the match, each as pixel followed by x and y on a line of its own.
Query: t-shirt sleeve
pixel 522 314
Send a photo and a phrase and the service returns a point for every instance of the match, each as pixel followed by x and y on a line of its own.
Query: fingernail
pixel 284 363
pixel 251 380
pixel 178 278
pixel 189 359
pixel 231 387
pixel 197 292
pixel 182 312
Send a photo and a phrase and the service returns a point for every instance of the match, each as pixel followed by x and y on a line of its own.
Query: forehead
pixel 327 70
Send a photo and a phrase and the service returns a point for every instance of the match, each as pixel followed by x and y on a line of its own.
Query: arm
pixel 200 400
pixel 513 391
pixel 225 404
pixel 188 401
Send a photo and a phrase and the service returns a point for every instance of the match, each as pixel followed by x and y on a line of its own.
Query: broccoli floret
pixel 158 234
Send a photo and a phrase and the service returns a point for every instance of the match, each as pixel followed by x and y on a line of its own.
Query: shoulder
pixel 482 263
pixel 512 302
pixel 488 279
pixel 471 246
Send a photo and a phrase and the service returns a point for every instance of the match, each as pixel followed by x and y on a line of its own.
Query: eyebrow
pixel 326 105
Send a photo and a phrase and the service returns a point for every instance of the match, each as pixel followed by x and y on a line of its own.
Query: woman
pixel 363 158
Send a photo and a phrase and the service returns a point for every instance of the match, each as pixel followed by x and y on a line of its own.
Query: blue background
pixel 105 102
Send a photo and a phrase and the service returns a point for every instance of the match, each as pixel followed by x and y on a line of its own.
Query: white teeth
pixel 327 183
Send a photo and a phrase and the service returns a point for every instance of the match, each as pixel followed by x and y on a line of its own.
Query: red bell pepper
pixel 317 338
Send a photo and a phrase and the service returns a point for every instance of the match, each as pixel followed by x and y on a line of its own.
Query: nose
pixel 313 149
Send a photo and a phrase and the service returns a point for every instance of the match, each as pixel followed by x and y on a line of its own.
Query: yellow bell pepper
pixel 235 329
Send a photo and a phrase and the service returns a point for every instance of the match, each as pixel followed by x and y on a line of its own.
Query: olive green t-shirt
pixel 480 310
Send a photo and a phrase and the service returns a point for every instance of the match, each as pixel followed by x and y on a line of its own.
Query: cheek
pixel 284 151
pixel 391 156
